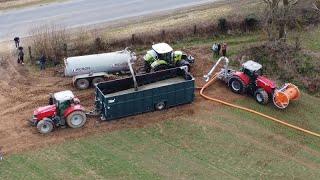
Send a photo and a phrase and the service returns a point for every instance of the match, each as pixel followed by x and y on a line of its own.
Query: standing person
pixel 219 49
pixel 1 154
pixel 42 61
pixel 21 56
pixel 224 49
pixel 215 50
pixel 17 41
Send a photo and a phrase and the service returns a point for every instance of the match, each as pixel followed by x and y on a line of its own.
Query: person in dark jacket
pixel 224 49
pixel 219 49
pixel 42 62
pixel 17 41
pixel 20 56
pixel 1 154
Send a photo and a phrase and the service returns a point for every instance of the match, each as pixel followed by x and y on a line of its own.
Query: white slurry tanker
pixel 91 69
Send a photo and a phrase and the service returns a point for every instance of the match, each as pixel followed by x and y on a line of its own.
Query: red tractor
pixel 251 81
pixel 63 109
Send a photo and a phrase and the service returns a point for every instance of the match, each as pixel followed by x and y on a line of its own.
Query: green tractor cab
pixel 162 56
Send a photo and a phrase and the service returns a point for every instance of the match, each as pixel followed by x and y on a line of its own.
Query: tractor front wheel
pixel 45 126
pixel 237 85
pixel 76 119
pixel 147 67
pixel 261 96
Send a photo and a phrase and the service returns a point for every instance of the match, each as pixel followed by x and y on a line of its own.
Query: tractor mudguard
pixel 266 84
pixel 158 62
pixel 150 57
pixel 177 56
pixel 243 77
pixel 71 109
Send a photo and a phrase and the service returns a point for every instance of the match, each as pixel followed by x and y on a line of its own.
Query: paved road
pixel 77 13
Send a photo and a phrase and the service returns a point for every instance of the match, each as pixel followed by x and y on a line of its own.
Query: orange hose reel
pixel 283 96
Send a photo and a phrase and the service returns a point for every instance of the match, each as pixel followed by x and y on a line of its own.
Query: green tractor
pixel 162 56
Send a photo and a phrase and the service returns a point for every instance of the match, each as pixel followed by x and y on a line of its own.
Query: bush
pixel 223 25
pixel 50 41
pixel 251 22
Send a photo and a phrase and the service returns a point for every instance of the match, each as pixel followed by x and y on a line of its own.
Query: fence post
pixel 195 29
pixel 163 34
pixel 132 38
pixel 30 54
pixel 65 49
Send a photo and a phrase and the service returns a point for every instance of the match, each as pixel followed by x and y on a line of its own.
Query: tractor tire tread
pixel 264 94
pixel 243 86
pixel 69 117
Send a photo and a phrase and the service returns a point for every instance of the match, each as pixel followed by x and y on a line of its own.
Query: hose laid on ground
pixel 213 79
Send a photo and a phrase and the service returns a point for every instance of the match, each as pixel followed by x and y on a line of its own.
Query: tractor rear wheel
pixel 82 84
pixel 97 80
pixel 76 119
pixel 237 85
pixel 161 67
pixel 45 126
pixel 184 63
pixel 261 96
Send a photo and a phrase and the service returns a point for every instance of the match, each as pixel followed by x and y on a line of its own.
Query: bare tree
pixel 277 17
pixel 316 5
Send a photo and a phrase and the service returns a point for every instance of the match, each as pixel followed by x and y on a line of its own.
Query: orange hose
pixel 250 110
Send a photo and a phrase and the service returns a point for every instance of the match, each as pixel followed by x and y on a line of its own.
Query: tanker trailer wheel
pixel 45 126
pixel 76 119
pixel 97 80
pixel 237 85
pixel 261 96
pixel 82 84
pixel 160 106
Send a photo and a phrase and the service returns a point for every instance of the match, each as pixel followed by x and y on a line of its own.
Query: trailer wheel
pixel 82 84
pixel 160 106
pixel 76 119
pixel 261 96
pixel 45 126
pixel 97 80
pixel 237 85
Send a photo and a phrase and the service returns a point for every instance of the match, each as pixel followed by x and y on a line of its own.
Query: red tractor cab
pixel 63 109
pixel 250 80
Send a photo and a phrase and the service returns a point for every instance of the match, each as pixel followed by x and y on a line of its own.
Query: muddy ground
pixel 23 88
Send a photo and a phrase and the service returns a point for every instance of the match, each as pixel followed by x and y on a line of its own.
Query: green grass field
pixel 215 143
pixel 218 143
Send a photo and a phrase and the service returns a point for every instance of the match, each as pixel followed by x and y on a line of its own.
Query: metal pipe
pixel 133 74
pixel 207 77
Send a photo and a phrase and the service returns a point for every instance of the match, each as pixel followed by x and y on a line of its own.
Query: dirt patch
pixel 23 89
